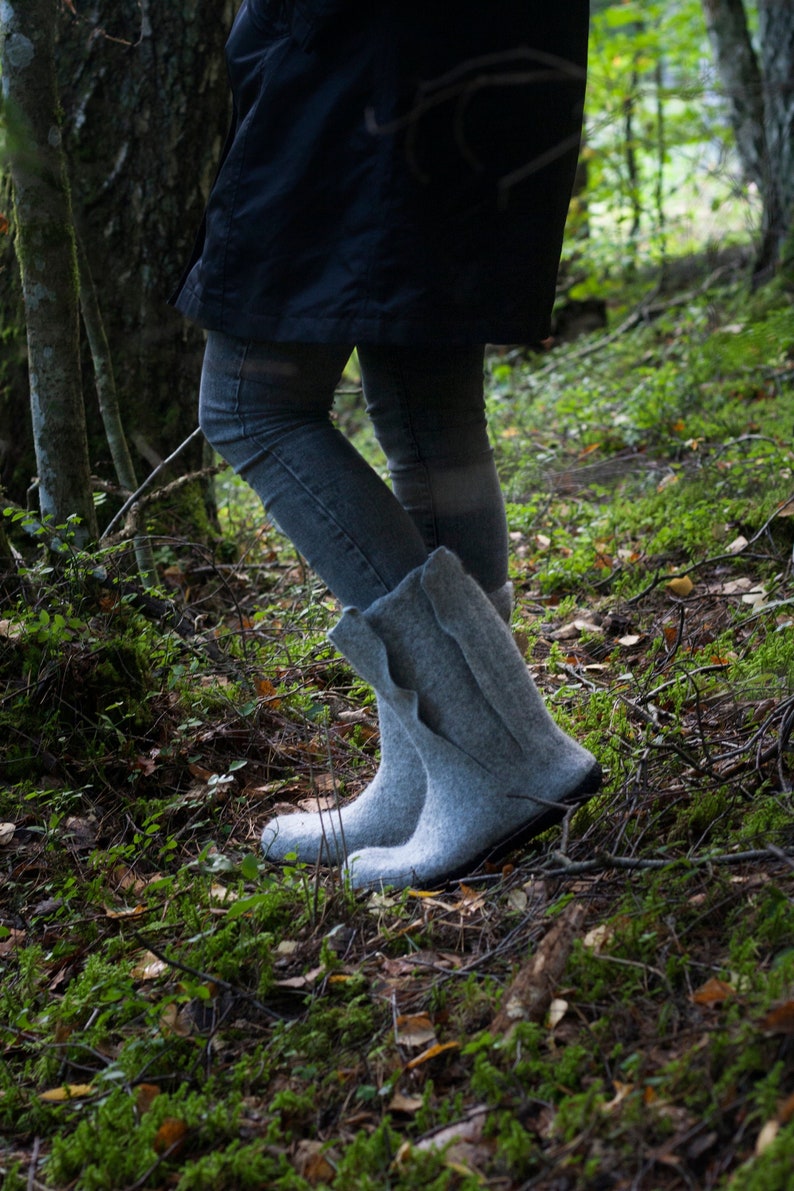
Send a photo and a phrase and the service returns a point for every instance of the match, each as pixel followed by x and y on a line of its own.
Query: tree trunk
pixel 46 249
pixel 761 96
pixel 740 74
pixel 776 35
pixel 146 107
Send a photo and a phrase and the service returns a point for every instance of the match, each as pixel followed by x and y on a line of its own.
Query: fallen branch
pixel 529 996
pixel 605 861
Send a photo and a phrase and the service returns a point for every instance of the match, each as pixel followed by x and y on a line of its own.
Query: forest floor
pixel 612 1008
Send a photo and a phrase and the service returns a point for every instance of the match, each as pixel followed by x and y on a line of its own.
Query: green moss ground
pixel 176 1014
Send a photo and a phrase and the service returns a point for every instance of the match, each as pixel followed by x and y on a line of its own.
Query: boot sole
pixel 552 815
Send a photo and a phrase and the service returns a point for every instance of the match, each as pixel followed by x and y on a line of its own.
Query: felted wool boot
pixel 499 770
pixel 385 813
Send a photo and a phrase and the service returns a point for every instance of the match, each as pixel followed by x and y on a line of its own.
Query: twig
pixel 34 1161
pixel 644 310
pixel 230 988
pixel 149 481
pixel 606 861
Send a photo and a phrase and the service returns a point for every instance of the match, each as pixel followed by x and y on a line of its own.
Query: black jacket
pixel 398 171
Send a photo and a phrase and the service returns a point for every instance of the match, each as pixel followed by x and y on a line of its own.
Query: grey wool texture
pixel 498 768
pixel 384 814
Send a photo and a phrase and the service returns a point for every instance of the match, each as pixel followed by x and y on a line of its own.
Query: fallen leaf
pixel 220 893
pixel 629 640
pixel 414 1030
pixel 6 833
pixel 767 1136
pixel 755 597
pixel 145 1096
pixel 622 1090
pixel 780 1020
pixel 680 586
pixel 431 1053
pixel 80 832
pixel 14 939
pixel 713 992
pixel 737 586
pixel 305 981
pixel 266 690
pixel 557 1010
pixel 786 1111
pixel 149 967
pixel 67 1091
pixel 737 545
pixel 170 1137
pixel 314 1161
pixel 517 900
pixel 175 1019
pixel 469 1130
pixel 406 1104
pixel 124 911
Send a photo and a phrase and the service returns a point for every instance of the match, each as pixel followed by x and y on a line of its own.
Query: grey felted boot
pixel 385 813
pixel 499 770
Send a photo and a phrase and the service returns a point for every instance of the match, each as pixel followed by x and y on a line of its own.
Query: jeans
pixel 266 408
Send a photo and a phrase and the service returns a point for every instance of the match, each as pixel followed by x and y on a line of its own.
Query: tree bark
pixel 48 263
pixel 740 73
pixel 760 89
pixel 776 36
pixel 146 106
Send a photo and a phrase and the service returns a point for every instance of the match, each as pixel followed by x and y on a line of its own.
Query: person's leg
pixel 266 409
pixel 427 406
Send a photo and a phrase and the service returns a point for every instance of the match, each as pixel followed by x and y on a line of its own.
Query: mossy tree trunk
pixel 46 249
pixel 146 106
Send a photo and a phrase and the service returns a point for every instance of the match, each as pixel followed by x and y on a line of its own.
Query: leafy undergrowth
pixel 614 1008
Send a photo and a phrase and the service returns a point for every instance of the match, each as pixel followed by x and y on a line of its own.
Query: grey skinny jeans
pixel 266 408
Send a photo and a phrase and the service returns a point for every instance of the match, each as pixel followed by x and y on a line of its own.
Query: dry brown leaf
pixel 319 802
pixel 780 1020
pixel 81 831
pixel 713 992
pixel 14 939
pixel 305 981
pixel 314 1161
pixel 469 1130
pixel 557 1010
pixel 124 911
pixel 406 1104
pixel 6 833
pixel 175 1019
pixel 145 1096
pixel 767 1135
pixel 414 1030
pixel 149 967
pixel 431 1053
pixel 681 586
pixel 67 1091
pixel 170 1137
